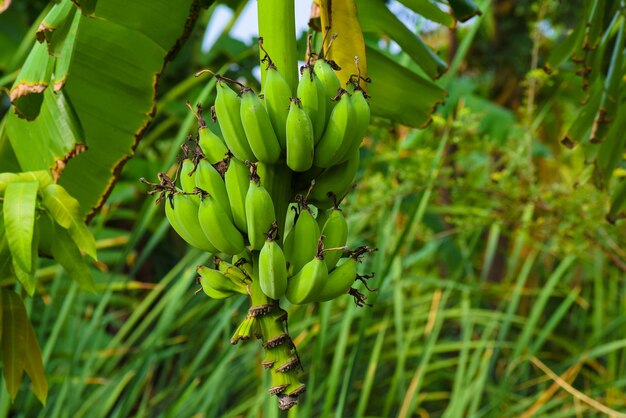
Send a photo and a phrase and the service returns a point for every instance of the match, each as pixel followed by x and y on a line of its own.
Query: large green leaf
pixel 398 93
pixel 20 201
pixel 116 57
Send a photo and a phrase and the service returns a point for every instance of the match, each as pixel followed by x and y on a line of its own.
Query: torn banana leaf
pixel 26 95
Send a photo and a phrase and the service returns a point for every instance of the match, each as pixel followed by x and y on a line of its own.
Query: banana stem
pixel 277 26
pixel 269 323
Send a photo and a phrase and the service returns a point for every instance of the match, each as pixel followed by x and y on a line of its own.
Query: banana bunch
pixel 264 197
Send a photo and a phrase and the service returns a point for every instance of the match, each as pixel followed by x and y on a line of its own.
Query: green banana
pixel 260 214
pixel 339 129
pixel 187 178
pixel 277 94
pixel 212 146
pixel 300 140
pixel 227 109
pixel 272 269
pixel 209 179
pixel 337 179
pixel 339 281
pixel 218 227
pixel 312 94
pixel 182 213
pixel 361 122
pixel 335 233
pixel 276 178
pixel 306 234
pixel 330 82
pixel 308 282
pixel 258 128
pixel 212 292
pixel 237 181
pixel 218 281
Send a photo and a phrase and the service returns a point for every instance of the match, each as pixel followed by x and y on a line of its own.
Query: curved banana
pixel 258 128
pixel 227 109
pixel 187 178
pixel 234 273
pixel 183 217
pixel 272 269
pixel 277 93
pixel 218 228
pixel 237 181
pixel 340 128
pixel 212 292
pixel 212 146
pixel 312 94
pixel 218 281
pixel 339 281
pixel 337 179
pixel 306 235
pixel 260 214
pixel 361 122
pixel 209 179
pixel 335 234
pixel 329 81
pixel 300 140
pixel 305 286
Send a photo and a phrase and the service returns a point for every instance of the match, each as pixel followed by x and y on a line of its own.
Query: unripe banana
pixel 260 213
pixel 212 292
pixel 227 108
pixel 218 227
pixel 361 122
pixel 335 234
pixel 277 94
pixel 218 281
pixel 243 262
pixel 184 219
pixel 313 97
pixel 340 127
pixel 337 179
pixel 300 140
pixel 187 179
pixel 272 269
pixel 329 81
pixel 210 180
pixel 322 217
pixel 306 235
pixel 237 181
pixel 339 280
pixel 212 146
pixel 258 128
pixel 308 282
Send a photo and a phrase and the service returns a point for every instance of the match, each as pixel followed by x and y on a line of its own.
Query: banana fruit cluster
pixel 264 198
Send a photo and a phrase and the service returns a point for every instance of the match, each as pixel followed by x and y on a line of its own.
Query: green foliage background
pixel 496 270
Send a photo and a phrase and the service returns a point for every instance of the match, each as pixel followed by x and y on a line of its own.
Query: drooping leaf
pixel 68 255
pixel 27 278
pixel 342 19
pixel 20 201
pixel 48 142
pixel 375 17
pixel 33 364
pixel 26 95
pixel 5 253
pixel 14 324
pixel 400 94
pixel 65 210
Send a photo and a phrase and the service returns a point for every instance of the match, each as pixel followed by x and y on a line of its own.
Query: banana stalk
pixel 277 26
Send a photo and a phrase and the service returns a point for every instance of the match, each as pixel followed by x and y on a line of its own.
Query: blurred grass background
pixel 501 288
